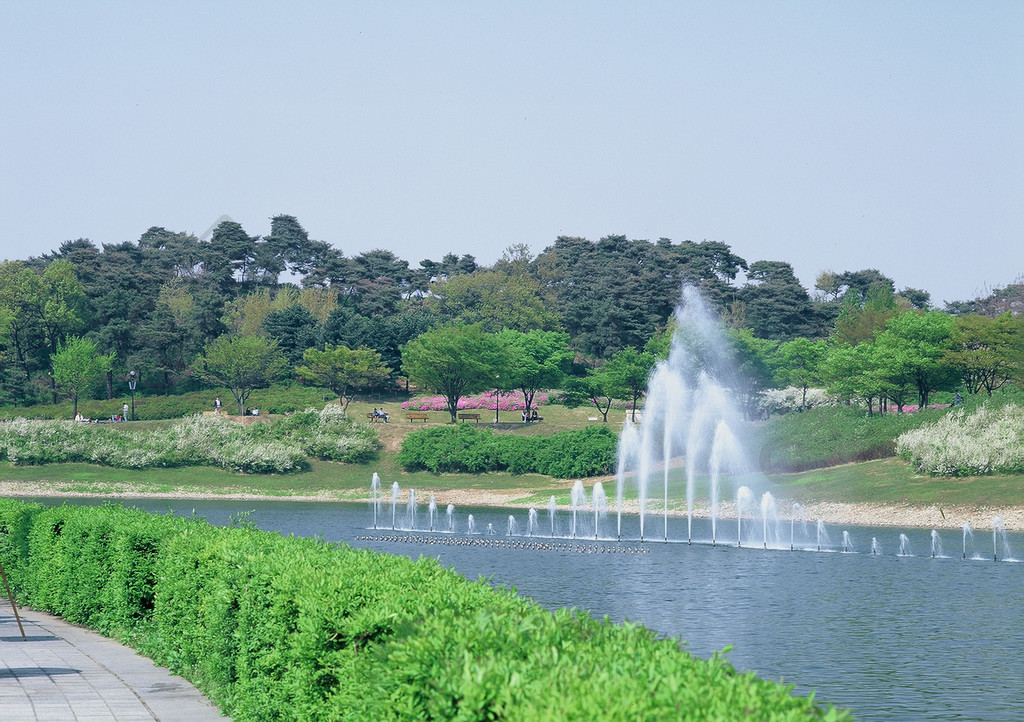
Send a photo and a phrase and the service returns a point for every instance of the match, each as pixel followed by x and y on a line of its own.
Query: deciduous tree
pixel 343 370
pixel 913 343
pixel 242 364
pixel 534 361
pixel 753 372
pixel 630 371
pixel 497 299
pixel 21 297
pixel 597 388
pixel 77 364
pixel 798 363
pixel 453 361
pixel 984 351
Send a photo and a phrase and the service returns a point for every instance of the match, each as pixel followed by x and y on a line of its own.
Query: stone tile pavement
pixel 64 672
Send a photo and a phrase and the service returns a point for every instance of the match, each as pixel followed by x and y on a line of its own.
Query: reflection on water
pixel 894 637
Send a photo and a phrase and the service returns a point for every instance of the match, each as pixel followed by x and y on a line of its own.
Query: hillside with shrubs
pixel 283 323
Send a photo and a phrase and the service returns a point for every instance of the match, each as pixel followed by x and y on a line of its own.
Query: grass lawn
pixel 888 481
pixel 891 481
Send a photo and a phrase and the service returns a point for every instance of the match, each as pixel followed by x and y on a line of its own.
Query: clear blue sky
pixel 833 135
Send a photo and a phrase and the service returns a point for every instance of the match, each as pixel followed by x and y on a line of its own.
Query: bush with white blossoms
pixel 987 441
pixel 337 438
pixel 781 401
pixel 278 446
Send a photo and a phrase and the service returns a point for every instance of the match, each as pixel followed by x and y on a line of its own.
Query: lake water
pixel 892 637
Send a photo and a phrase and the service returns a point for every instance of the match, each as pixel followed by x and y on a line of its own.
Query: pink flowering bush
pixel 507 401
pixel 913 408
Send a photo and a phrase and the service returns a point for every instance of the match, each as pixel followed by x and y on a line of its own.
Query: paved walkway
pixel 64 672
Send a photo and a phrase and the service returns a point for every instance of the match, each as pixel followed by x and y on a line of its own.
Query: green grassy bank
pixel 813 438
pixel 885 481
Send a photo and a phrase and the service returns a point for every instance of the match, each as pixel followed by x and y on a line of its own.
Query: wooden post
pixel 13 605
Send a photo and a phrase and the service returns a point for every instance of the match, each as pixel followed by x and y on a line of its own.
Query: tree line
pixel 178 311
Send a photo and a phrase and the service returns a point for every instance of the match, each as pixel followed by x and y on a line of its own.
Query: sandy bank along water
pixel 831 513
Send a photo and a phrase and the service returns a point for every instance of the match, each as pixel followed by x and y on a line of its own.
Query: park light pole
pixel 132 381
pixel 497 396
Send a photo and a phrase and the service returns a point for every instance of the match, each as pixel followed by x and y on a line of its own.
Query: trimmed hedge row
pixel 276 628
pixel 464 449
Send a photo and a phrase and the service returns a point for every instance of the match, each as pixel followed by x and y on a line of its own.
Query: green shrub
pixel 463 448
pixel 570 454
pixel 16 521
pixel 276 628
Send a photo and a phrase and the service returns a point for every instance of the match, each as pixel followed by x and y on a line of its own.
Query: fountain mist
pixel 689 420
pixel 375 496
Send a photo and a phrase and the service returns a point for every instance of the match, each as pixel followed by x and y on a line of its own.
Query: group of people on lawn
pixel 219 409
pixel 113 417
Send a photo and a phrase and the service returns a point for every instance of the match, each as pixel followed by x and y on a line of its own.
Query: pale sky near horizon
pixel 832 135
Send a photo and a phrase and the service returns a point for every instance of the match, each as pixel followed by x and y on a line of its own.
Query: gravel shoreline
pixel 831 513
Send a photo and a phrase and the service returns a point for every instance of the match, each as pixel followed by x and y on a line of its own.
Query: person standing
pixel 124 411
pixel 216 405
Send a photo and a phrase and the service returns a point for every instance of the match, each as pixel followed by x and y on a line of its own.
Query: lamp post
pixel 497 396
pixel 131 385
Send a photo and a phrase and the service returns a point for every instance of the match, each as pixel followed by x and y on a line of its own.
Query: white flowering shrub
pixel 781 401
pixel 275 447
pixel 987 441
pixel 331 414
pixel 260 458
pixel 330 435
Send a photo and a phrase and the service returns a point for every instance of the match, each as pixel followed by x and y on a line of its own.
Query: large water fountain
pixel 689 432
pixel 757 524
pixel 689 439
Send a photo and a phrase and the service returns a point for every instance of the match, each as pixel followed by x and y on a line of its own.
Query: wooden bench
pixel 417 417
pixel 467 417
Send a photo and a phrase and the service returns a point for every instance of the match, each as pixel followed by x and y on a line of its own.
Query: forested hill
pixel 154 304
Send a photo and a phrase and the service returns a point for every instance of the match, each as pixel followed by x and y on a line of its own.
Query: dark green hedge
pixel 464 449
pixel 276 628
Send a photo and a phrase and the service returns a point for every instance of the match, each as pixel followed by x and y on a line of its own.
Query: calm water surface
pixel 891 637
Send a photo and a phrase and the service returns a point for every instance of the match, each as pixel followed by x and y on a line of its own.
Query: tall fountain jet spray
pixel 688 432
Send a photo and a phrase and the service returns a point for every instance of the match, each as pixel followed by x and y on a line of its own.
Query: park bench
pixel 374 419
pixel 417 417
pixel 467 417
